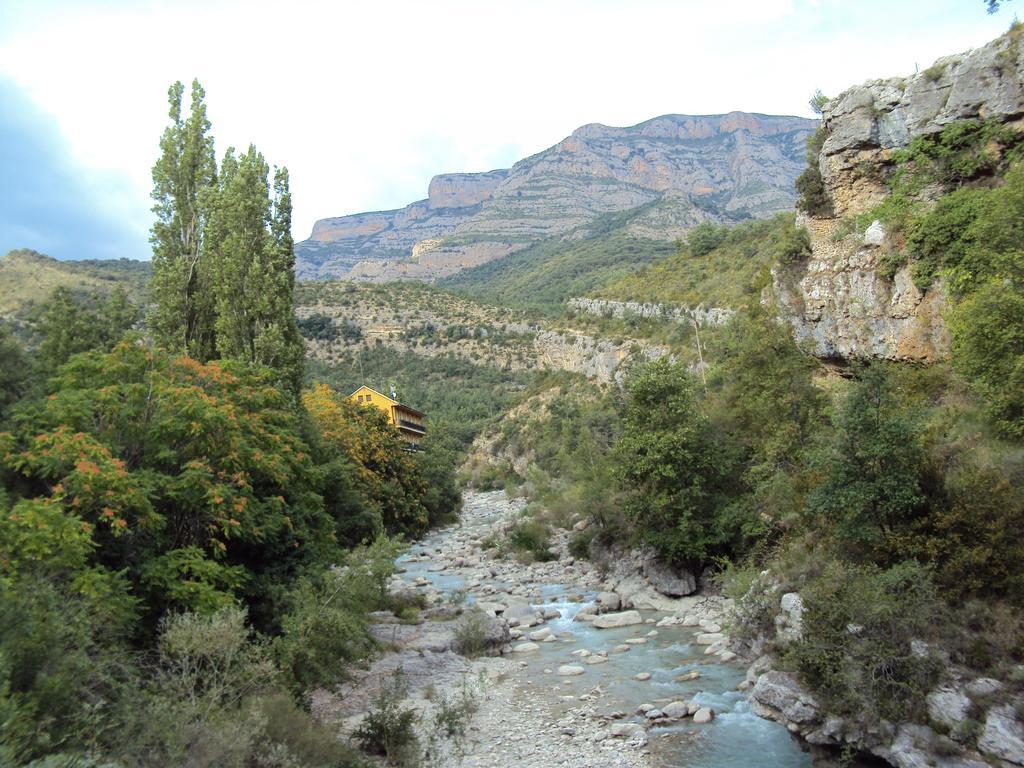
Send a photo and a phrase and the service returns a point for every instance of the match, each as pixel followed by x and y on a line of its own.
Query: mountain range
pixel 658 178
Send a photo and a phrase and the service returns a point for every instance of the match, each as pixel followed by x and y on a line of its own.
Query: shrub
pixel 326 622
pixel 812 197
pixel 705 237
pixel 292 738
pixel 863 650
pixel 532 537
pixel 451 718
pixel 791 245
pixel 389 729
pixel 471 633
pixel 581 541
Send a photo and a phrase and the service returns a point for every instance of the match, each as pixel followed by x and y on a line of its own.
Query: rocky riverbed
pixel 583 668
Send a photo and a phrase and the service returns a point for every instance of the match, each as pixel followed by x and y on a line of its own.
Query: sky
pixel 365 101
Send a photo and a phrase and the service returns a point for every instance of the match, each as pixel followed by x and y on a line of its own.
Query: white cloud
pixel 365 101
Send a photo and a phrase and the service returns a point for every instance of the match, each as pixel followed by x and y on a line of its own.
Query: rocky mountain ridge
pixel 674 171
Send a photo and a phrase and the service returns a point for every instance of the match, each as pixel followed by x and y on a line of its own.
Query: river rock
pixel 1003 735
pixel 610 601
pixel 677 710
pixel 642 676
pixel 704 715
pixel 612 620
pixel 778 696
pixel 541 634
pixel 596 658
pixel 693 674
pixel 525 647
pixel 570 670
pixel 625 729
pixel 709 638
pixel 668 581
pixel 587 613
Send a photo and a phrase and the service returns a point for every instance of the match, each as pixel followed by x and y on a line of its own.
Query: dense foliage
pixel 730 273
pixel 187 543
pixel 223 277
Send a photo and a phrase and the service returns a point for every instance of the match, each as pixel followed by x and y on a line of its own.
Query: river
pixel 571 715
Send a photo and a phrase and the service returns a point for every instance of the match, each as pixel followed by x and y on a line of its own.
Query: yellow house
pixel 408 421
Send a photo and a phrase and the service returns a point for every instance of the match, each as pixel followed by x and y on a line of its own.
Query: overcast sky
pixel 365 101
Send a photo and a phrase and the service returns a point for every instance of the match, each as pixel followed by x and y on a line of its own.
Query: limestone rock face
pixel 673 171
pixel 1003 735
pixel 841 307
pixel 868 121
pixel 837 302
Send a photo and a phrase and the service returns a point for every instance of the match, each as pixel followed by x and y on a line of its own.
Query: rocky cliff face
pixel 673 171
pixel 838 302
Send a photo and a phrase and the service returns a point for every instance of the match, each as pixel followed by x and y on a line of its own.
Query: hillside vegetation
pixel 718 266
pixel 543 276
pixel 28 278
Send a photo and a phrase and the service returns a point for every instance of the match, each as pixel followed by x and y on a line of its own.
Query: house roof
pixel 389 399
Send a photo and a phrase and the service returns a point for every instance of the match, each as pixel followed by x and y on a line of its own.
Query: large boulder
pixel 609 601
pixel 789 623
pixel 778 696
pixel 1003 735
pixel 668 581
pixel 622 619
pixel 948 706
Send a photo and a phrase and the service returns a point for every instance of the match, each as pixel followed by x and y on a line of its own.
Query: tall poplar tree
pixel 250 245
pixel 183 179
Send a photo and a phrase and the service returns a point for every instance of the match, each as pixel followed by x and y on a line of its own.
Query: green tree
pixel 764 403
pixel 183 177
pixel 873 490
pixel 812 197
pixel 67 326
pixel 14 373
pixel 672 468
pixel 705 237
pixel 249 241
pixel 817 102
pixel 192 479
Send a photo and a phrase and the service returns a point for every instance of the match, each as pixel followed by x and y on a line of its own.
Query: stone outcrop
pixel 700 315
pixel 867 122
pixel 838 303
pixel 840 306
pixel 944 740
pixel 671 172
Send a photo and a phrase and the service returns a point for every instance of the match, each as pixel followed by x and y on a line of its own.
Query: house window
pixel 369 398
pixel 360 398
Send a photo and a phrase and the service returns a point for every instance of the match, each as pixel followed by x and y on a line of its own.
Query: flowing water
pixel 736 738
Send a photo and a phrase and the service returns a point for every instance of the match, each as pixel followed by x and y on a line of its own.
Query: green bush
pixel 291 737
pixel 812 198
pixel 533 538
pixel 581 541
pixel 471 633
pixel 326 624
pixel 864 650
pixel 705 237
pixel 791 245
pixel 389 729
